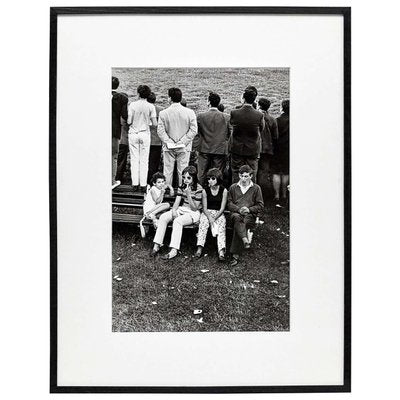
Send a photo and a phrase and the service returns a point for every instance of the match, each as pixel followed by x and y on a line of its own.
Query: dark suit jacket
pixel 269 133
pixel 213 131
pixel 247 125
pixel 119 109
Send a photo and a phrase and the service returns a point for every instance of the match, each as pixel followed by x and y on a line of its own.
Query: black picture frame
pixel 342 11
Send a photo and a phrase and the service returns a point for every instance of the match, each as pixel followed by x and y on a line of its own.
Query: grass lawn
pixel 155 295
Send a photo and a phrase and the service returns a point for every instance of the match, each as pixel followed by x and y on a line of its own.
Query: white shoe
pixel 142 228
pixel 249 235
pixel 117 183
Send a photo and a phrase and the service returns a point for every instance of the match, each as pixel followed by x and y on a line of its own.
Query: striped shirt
pixel 196 196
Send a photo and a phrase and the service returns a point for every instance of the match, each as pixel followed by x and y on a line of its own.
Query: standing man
pixel 247 125
pixel 155 145
pixel 177 126
pixel 141 114
pixel 269 134
pixel 214 131
pixel 119 109
pixel 245 202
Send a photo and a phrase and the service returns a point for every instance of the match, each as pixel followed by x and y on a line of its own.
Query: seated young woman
pixel 214 202
pixel 186 214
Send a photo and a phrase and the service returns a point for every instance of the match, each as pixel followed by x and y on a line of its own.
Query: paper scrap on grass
pixel 278 205
pixel 256 281
pixel 280 296
pixel 116 276
pixel 118 279
pixel 153 302
pixel 204 270
pixel 278 229
pixel 119 258
pixel 274 281
pixel 200 320
pixel 197 311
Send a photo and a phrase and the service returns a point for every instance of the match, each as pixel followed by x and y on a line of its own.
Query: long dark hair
pixel 192 171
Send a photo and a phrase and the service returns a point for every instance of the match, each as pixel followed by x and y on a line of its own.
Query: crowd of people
pixel 218 162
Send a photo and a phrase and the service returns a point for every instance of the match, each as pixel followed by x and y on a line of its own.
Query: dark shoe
pixel 135 189
pixel 234 261
pixel 198 253
pixel 143 189
pixel 153 252
pixel 166 257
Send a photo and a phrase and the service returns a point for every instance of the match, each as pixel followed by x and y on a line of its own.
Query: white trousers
pixel 185 217
pixel 182 161
pixel 139 149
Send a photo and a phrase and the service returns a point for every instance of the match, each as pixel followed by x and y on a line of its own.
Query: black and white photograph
pixel 200 199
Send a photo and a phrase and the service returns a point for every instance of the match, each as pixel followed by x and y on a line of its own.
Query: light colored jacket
pixel 177 124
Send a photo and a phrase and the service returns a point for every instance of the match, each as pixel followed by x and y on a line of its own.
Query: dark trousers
pixel 237 161
pixel 263 169
pixel 206 161
pixel 154 161
pixel 240 225
pixel 122 160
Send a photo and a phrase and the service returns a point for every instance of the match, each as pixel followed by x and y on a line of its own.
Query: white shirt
pixel 244 189
pixel 140 113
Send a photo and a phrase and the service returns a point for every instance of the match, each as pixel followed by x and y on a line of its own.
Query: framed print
pixel 217 258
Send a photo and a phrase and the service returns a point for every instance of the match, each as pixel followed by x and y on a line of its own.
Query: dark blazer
pixel 247 125
pixel 213 131
pixel 269 133
pixel 119 109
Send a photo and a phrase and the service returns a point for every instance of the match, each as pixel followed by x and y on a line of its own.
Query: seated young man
pixel 245 202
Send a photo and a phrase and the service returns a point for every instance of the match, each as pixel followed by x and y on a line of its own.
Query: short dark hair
pixel 221 107
pixel 285 106
pixel 157 175
pixel 143 91
pixel 114 82
pixel 253 88
pixel 216 173
pixel 175 94
pixel 214 99
pixel 245 168
pixel 152 98
pixel 192 171
pixel 249 96
pixel 264 103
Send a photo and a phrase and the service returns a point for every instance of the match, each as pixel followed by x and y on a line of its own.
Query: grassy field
pixel 155 295
pixel 196 83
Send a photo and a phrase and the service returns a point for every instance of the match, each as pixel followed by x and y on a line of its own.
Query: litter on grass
pixel 119 258
pixel 285 262
pixel 278 205
pixel 280 296
pixel 133 244
pixel 116 276
pixel 274 281
pixel 118 279
pixel 154 302
pixel 197 311
pixel 278 229
pixel 200 320
pixel 204 270
pixel 256 281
